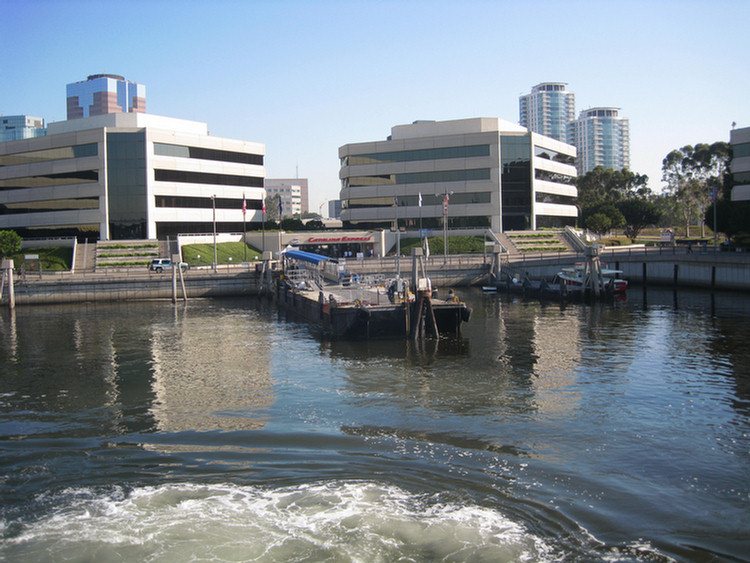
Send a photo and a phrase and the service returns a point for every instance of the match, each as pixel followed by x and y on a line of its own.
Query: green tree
pixel 639 214
pixel 599 223
pixel 689 172
pixel 605 185
pixel 273 205
pixel 10 243
pixel 315 225
pixel 292 224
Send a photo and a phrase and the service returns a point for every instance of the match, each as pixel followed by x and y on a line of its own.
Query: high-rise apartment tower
pixel 548 110
pixel 602 138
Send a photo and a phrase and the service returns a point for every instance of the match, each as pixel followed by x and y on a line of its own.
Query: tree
pixel 10 243
pixel 273 207
pixel 599 223
pixel 639 214
pixel 689 172
pixel 602 185
pixel 315 225
pixel 292 224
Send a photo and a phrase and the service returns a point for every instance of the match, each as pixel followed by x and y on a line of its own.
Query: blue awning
pixel 306 256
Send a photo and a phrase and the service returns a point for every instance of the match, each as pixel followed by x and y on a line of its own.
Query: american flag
pixel 244 206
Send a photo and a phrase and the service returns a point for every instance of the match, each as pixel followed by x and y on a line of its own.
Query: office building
pixel 740 163
pixel 293 193
pixel 129 176
pixel 548 110
pixel 100 94
pixel 16 127
pixel 481 172
pixel 602 138
pixel 334 209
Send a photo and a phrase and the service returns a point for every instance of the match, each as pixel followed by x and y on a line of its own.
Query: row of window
pixel 740 150
pixel 418 178
pixel 542 197
pixel 206 202
pixel 46 180
pixel 554 177
pixel 182 151
pixel 417 154
pixel 413 200
pixel 60 153
pixel 183 176
pixel 549 154
pixel 71 204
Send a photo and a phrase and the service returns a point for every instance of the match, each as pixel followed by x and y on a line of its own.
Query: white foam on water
pixel 337 521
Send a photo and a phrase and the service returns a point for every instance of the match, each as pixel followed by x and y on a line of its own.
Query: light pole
pixel 213 205
pixel 445 226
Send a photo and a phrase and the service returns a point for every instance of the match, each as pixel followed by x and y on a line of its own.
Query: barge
pixel 320 290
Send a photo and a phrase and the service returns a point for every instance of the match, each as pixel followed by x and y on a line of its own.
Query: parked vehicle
pixel 160 264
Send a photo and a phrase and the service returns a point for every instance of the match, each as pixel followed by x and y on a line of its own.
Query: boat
pixel 577 277
pixel 321 290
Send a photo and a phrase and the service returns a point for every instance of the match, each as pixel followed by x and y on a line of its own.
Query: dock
pixel 344 305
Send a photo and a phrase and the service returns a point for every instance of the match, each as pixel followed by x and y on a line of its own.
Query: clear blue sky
pixel 307 77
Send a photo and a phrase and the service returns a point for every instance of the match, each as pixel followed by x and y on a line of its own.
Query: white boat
pixel 574 277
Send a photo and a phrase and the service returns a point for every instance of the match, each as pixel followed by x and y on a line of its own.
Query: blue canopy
pixel 306 256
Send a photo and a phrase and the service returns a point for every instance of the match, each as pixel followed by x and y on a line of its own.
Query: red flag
pixel 264 207
pixel 244 206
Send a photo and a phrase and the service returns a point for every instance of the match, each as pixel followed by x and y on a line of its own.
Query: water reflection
pixel 134 367
pixel 214 379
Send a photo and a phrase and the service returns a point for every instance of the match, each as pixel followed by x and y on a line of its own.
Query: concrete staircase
pixel 537 241
pixel 127 253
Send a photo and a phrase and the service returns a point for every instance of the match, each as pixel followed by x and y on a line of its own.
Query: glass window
pixel 72 204
pixel 181 151
pixel 46 180
pixel 207 178
pixel 60 153
pixel 421 154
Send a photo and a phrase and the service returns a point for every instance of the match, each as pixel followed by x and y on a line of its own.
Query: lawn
pixel 226 253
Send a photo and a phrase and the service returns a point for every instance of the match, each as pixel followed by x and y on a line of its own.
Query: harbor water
pixel 225 430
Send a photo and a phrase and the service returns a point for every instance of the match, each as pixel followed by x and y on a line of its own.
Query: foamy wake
pixel 351 521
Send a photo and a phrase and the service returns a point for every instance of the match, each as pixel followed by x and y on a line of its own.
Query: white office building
pixel 129 176
pixel 481 172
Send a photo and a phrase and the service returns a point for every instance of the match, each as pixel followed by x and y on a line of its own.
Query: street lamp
pixel 445 225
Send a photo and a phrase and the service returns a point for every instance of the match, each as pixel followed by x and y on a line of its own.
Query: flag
pixel 281 208
pixel 244 206
pixel 264 208
pixel 420 199
pixel 445 204
pixel 426 248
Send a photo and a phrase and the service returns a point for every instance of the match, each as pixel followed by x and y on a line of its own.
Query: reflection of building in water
pixel 557 350
pixel 215 379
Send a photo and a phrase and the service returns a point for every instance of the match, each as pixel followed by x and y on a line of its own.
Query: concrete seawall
pixel 76 288
pixel 714 271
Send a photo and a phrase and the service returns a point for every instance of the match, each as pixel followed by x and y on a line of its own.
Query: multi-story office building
pixel 602 138
pixel 548 110
pixel 482 172
pixel 16 127
pixel 740 164
pixel 293 193
pixel 334 209
pixel 105 93
pixel 129 176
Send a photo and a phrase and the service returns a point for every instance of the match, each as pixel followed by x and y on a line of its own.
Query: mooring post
pixel 7 267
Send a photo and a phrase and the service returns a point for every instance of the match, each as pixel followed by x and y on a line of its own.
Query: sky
pixel 305 78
